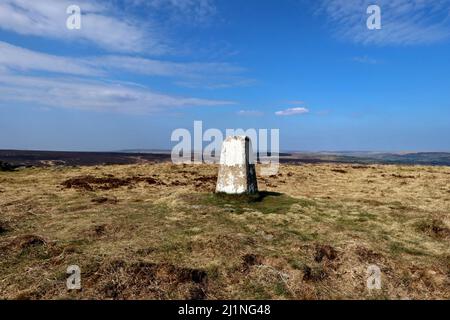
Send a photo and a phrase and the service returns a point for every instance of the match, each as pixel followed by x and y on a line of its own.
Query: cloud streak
pixel 292 111
pixel 63 92
pixel 404 22
pixel 209 75
pixel 155 67
pixel 101 25
pixel 73 82
pixel 38 78
pixel 250 113
pixel 21 59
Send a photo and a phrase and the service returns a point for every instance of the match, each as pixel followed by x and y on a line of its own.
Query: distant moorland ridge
pixel 17 158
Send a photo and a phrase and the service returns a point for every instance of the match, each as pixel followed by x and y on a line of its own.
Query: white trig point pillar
pixel 237 173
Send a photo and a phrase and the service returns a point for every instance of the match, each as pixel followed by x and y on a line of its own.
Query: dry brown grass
pixel 154 231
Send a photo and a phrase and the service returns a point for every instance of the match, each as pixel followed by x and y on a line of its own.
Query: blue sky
pixel 137 70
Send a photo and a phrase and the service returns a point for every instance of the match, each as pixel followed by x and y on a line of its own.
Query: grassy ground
pixel 156 231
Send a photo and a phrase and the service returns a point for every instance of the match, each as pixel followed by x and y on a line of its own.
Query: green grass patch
pixel 304 236
pixel 366 216
pixel 264 202
pixel 352 224
pixel 399 248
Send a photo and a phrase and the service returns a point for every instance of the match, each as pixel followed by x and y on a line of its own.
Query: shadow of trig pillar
pixel 237 173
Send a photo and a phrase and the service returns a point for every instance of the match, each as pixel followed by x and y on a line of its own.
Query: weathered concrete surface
pixel 237 174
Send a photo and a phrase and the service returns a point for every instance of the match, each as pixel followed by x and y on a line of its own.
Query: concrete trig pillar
pixel 237 174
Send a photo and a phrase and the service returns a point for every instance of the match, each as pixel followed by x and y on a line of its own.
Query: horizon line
pixel 144 150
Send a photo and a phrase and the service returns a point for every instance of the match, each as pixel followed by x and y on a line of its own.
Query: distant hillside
pixel 48 158
pixel 14 158
pixel 423 158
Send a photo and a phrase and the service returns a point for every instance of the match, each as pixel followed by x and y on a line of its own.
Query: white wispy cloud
pixel 101 25
pixel 193 75
pixel 404 22
pixel 21 59
pixel 189 74
pixel 292 111
pixel 165 68
pixel 49 80
pixel 64 92
pixel 215 82
pixel 250 113
pixel 72 82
